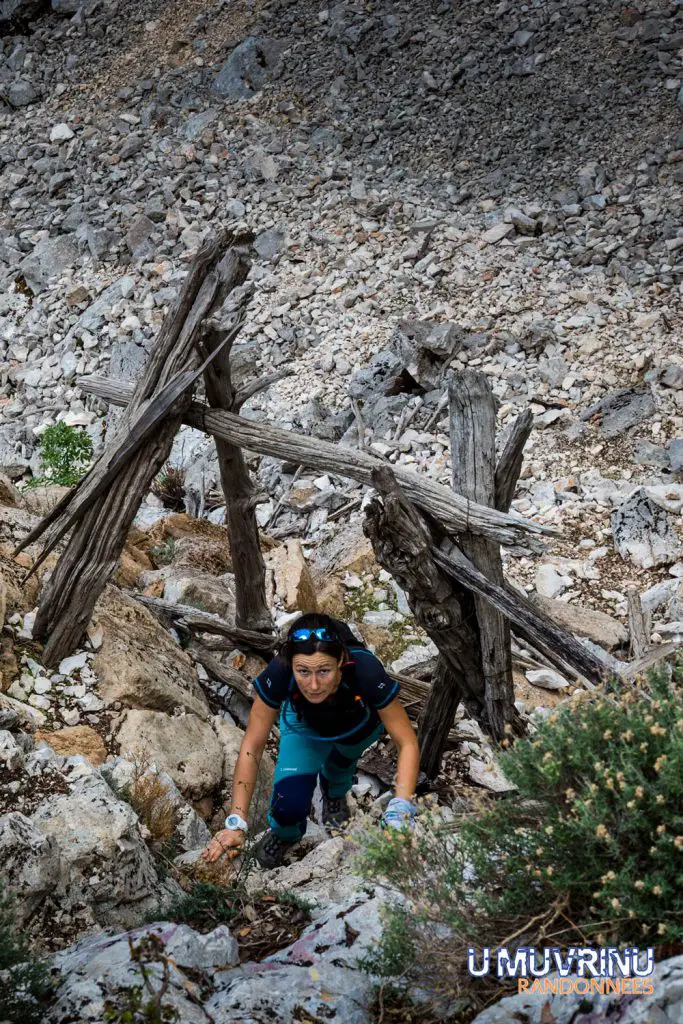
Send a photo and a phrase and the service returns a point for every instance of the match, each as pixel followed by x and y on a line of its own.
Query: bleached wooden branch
pixel 457 514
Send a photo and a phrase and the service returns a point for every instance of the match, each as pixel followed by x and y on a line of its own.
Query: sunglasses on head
pixel 300 636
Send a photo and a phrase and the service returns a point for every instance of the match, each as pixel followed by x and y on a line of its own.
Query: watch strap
pixel 236 821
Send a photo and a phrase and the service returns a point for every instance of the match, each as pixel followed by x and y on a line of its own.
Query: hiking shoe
pixel 270 850
pixel 335 811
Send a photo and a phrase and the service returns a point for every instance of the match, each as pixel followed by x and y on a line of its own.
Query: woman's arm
pixel 261 721
pixel 397 724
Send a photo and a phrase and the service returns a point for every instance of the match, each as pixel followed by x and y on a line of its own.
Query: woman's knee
pixel 292 798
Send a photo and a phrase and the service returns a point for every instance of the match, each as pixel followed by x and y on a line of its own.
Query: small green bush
pixel 163 554
pixel 25 985
pixel 205 902
pixel 65 453
pixel 588 850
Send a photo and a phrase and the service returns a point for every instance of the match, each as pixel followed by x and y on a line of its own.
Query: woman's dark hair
pixel 312 620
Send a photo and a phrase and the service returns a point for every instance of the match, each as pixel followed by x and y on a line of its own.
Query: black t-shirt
pixel 350 712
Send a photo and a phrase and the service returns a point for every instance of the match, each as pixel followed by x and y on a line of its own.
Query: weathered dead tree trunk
pixel 251 610
pixel 112 491
pixel 510 462
pixel 403 544
pixel 473 449
pixel 435 723
pixel 455 512
pixel 473 455
pixel 638 625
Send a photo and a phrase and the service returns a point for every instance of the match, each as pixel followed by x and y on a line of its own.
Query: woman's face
pixel 317 675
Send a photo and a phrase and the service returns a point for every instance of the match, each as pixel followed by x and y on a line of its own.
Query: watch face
pixel 233 821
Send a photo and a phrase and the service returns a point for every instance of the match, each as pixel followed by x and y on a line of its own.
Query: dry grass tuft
pixel 152 801
pixel 169 488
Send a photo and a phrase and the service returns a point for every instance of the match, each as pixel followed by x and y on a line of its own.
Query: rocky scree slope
pixel 432 188
pixel 513 174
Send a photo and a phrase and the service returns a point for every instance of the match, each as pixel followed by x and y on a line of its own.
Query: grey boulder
pixel 248 67
pixel 643 533
pixel 21 94
pixel 424 347
pixel 317 977
pixel 98 970
pixel 104 860
pixel 622 409
pixel 30 862
pixel 380 377
pixel 49 259
pixel 14 11
pixel 257 993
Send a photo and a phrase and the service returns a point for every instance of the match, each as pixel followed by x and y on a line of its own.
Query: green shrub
pixel 25 986
pixel 588 850
pixel 163 554
pixel 65 453
pixel 204 902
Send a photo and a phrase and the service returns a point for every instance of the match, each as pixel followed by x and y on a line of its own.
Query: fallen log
pixel 455 512
pixel 528 621
pixel 196 621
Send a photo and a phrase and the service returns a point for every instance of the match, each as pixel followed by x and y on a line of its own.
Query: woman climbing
pixel 333 699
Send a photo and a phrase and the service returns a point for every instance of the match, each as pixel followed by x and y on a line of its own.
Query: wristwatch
pixel 234 822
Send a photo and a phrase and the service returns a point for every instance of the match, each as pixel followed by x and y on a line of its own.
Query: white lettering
pixel 520 966
pixel 587 961
pixel 471 962
pixel 648 965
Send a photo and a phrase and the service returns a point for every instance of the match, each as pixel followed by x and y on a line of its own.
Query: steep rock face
pixel 317 975
pixel 230 739
pixel 138 663
pixel 76 852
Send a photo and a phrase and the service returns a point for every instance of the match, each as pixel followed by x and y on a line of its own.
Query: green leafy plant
pixel 589 850
pixel 144 1004
pixel 205 902
pixel 262 922
pixel 163 554
pixel 65 453
pixel 25 985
